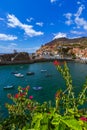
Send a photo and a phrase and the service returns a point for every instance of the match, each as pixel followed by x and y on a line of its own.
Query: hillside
pixel 64 46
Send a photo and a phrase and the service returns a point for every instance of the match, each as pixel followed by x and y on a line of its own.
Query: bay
pixel 50 83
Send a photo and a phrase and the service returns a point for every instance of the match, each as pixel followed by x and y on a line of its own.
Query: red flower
pixel 16 95
pixel 23 88
pixel 31 97
pixel 27 88
pixel 83 118
pixel 21 94
pixel 56 62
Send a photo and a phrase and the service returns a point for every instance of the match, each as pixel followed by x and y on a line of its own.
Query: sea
pixel 50 81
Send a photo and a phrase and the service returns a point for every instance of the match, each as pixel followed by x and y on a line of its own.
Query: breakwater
pixel 31 61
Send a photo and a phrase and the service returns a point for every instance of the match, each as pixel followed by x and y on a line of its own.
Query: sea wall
pixel 31 61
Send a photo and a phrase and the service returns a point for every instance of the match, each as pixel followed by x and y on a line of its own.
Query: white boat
pixel 8 87
pixel 43 70
pixel 37 88
pixel 19 75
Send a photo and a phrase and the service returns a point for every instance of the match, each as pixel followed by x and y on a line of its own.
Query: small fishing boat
pixel 30 73
pixel 8 87
pixel 19 75
pixel 43 70
pixel 37 88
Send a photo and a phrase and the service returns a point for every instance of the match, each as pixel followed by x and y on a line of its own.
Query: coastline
pixel 37 60
pixel 31 61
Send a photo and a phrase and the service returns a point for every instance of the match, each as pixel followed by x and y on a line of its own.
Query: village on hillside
pixel 62 48
pixel 65 48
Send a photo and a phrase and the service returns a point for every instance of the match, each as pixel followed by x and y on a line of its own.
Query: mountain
pixel 67 41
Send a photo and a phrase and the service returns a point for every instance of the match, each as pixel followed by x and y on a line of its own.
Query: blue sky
pixel 25 25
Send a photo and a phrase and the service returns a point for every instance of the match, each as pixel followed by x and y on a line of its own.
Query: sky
pixel 26 25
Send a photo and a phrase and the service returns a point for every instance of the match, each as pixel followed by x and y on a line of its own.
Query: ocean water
pixel 49 84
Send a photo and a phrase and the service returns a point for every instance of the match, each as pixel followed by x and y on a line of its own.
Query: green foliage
pixel 27 114
pixel 69 99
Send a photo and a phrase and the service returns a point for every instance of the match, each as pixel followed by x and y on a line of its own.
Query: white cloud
pixel 13 46
pixel 76 18
pixel 59 35
pixel 68 15
pixel 27 49
pixel 76 32
pixel 39 24
pixel 8 48
pixel 80 22
pixel 29 19
pixel 78 2
pixel 1 19
pixel 52 1
pixel 30 49
pixel 28 29
pixel 5 37
pixel 13 21
pixel 80 9
pixel 69 20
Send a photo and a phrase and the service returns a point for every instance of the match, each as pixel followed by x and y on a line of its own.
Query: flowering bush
pixel 27 114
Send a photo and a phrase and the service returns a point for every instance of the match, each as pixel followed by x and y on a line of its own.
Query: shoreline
pixel 31 61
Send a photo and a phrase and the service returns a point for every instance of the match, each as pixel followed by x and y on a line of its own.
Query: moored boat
pixel 43 70
pixel 8 87
pixel 19 75
pixel 37 88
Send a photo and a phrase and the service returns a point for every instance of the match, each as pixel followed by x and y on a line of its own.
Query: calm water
pixel 50 84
